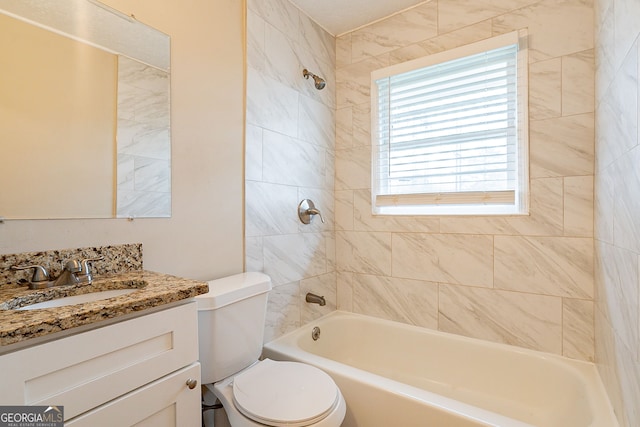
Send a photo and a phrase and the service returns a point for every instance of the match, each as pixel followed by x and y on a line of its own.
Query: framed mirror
pixel 84 112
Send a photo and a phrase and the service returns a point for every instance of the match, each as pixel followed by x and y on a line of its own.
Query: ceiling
pixel 341 16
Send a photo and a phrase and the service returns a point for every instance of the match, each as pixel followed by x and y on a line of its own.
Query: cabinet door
pixel 83 371
pixel 167 402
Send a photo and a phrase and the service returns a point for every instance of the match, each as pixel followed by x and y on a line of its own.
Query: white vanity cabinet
pixel 135 372
pixel 165 402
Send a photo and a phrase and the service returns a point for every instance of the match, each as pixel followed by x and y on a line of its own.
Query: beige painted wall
pixel 203 238
pixel 41 95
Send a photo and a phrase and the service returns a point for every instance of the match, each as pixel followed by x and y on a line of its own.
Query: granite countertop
pixel 155 289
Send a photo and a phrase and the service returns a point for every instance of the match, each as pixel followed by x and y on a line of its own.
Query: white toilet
pixel 231 318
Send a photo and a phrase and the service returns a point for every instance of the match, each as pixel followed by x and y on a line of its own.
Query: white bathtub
pixel 397 375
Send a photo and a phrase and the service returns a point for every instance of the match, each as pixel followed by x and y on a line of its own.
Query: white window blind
pixel 448 133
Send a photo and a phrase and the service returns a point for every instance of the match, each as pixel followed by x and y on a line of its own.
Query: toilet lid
pixel 284 393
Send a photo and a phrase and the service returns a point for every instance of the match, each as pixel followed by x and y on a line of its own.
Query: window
pixel 450 132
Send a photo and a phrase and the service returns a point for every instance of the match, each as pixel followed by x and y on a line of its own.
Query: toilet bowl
pixel 253 392
pixel 280 394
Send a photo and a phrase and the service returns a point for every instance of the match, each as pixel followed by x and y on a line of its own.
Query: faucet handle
pixel 85 272
pixel 40 274
pixel 314 211
pixel 86 267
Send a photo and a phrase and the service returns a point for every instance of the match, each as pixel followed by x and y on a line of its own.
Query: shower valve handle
pixel 314 211
pixel 306 210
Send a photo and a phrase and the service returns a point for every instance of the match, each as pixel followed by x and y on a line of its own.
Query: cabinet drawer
pixel 86 370
pixel 167 402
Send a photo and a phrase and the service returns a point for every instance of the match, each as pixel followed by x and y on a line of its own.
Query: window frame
pixel 458 203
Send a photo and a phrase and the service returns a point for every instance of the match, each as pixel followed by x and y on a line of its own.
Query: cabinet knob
pixel 191 383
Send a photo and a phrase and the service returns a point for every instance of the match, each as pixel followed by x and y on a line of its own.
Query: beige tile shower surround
pixel 290 143
pixel 522 280
pixel 533 281
pixel 526 280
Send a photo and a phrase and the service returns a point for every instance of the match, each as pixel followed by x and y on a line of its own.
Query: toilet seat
pixel 287 394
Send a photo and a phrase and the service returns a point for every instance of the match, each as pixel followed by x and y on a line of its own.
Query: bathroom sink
pixel 78 299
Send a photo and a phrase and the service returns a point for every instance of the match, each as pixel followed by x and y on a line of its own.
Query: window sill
pixel 450 210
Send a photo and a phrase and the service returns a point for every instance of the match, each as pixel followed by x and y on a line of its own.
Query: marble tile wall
pixel 617 204
pixel 523 280
pixel 535 281
pixel 144 143
pixel 290 144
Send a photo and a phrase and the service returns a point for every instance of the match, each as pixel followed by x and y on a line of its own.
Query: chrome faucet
pixel 76 272
pixel 73 272
pixel 315 299
pixel 69 275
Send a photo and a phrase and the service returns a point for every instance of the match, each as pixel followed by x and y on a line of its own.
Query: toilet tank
pixel 231 318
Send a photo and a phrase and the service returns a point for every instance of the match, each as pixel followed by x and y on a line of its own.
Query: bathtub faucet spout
pixel 315 299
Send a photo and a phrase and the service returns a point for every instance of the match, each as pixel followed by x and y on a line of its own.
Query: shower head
pixel 318 81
